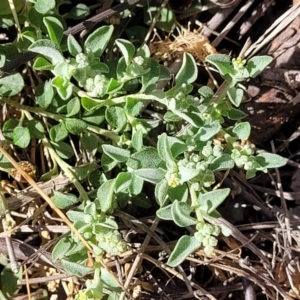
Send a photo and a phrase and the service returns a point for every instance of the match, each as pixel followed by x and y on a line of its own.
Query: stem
pixel 63 165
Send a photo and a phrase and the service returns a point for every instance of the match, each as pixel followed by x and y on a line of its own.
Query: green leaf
pixel 180 192
pixel 164 150
pixel 116 117
pixel 63 150
pixel 8 128
pixel 55 29
pixel 73 46
pixel 127 49
pixel 187 174
pixel 64 200
pixel 108 163
pixel 209 201
pixel 185 246
pixel 76 216
pixel 235 96
pixel 89 141
pixel 271 160
pixel 44 6
pixel 36 129
pixel 11 84
pixel 105 195
pixel 188 72
pixel 9 282
pixel 242 130
pixel 181 214
pixel 116 153
pixel 113 86
pixel 79 11
pixel 42 63
pixel 83 171
pixel 48 49
pixel 256 64
pixel 133 107
pixel 166 20
pixel 150 78
pixel 62 85
pixel 165 213
pixel 236 114
pixel 208 131
pixel 98 40
pixel 221 61
pixel 75 126
pixel 95 117
pixel 146 158
pixel 21 136
pixel 136 185
pixel 61 248
pixel 44 94
pixel 76 269
pixel 223 162
pixel 151 175
pixel 123 182
pixel 137 140
pixel 58 132
pixel 73 107
pixel 161 190
pixel 110 282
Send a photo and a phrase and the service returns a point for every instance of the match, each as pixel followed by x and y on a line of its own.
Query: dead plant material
pixel 187 41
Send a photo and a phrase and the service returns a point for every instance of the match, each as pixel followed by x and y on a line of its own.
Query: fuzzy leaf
pixel 256 64
pixel 242 130
pixel 146 158
pixel 209 201
pixel 221 61
pixel 116 117
pixel 181 214
pixel 127 49
pixel 188 72
pixel 116 153
pixel 76 269
pixel 185 246
pixel 161 190
pixel 235 96
pixel 105 195
pixel 64 200
pixel 151 175
pixel 164 150
pixel 271 160
pixel 73 46
pixel 48 49
pixel 75 126
pixel 223 162
pixel 44 94
pixel 61 248
pixel 44 6
pixel 21 136
pixel 11 85
pixel 98 40
pixel 58 132
pixel 55 29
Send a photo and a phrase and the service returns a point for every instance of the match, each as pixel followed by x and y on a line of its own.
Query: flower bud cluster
pixel 242 154
pixel 100 231
pixel 91 79
pixel 206 234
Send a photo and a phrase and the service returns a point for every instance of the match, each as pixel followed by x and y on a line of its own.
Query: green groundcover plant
pixel 99 104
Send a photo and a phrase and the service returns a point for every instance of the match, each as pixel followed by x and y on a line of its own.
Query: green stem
pixel 63 165
pixel 194 203
pixel 58 118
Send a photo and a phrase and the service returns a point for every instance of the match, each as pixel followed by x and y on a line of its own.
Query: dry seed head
pixel 187 41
